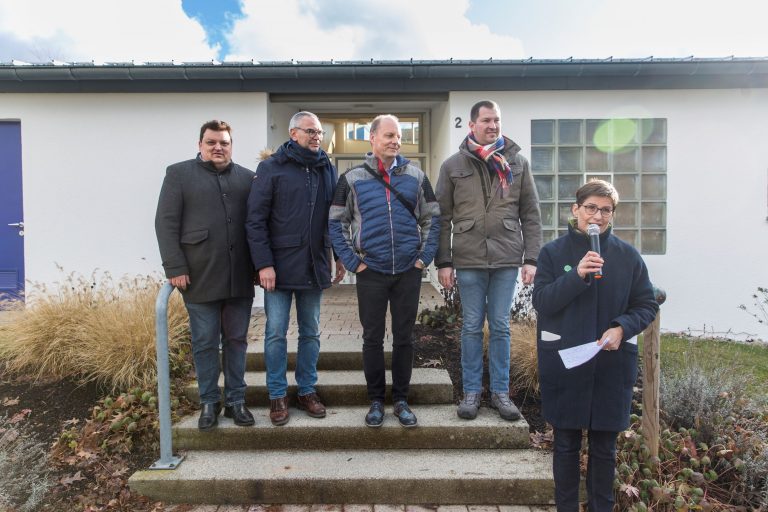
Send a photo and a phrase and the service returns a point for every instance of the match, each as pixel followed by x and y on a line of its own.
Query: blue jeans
pixel 220 323
pixel 601 467
pixel 277 305
pixel 486 292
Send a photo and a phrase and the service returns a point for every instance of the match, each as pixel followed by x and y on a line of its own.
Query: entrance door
pixel 11 220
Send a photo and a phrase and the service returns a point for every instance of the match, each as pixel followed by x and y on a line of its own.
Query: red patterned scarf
pixel 493 156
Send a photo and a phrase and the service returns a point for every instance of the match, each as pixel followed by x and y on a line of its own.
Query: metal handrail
pixel 167 459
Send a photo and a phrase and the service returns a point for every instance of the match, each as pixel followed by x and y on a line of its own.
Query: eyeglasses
pixel 593 209
pixel 312 133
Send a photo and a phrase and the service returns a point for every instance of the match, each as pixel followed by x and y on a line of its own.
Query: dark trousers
pixel 401 292
pixel 600 469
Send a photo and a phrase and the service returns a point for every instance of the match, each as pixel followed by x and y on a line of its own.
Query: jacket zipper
pixel 391 234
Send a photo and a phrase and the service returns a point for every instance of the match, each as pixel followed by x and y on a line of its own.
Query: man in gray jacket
pixel 490 227
pixel 200 226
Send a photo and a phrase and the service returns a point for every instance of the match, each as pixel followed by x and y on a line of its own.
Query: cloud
pixel 101 30
pixel 673 29
pixel 360 30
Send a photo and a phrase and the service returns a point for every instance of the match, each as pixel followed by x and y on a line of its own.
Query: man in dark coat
pixel 288 235
pixel 575 306
pixel 200 226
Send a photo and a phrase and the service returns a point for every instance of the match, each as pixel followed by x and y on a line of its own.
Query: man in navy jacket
pixel 287 228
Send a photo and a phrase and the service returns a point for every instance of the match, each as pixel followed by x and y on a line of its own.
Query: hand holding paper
pixel 579 354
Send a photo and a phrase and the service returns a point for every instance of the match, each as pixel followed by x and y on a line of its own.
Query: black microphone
pixel 593 230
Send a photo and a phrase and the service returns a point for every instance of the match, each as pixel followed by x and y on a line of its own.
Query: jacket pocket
pixel 462 226
pixel 461 173
pixel 511 224
pixel 194 237
pixel 279 242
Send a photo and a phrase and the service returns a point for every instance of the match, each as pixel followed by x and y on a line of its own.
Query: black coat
pixel 572 311
pixel 200 227
pixel 287 222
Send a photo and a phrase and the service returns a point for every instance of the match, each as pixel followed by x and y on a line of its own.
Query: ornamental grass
pixel 93 329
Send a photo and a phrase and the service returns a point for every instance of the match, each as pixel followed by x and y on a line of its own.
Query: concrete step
pixel 511 477
pixel 336 353
pixel 428 386
pixel 343 428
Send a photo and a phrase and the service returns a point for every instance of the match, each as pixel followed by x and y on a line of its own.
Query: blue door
pixel 11 211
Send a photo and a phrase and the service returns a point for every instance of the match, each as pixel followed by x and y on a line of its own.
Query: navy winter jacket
pixel 367 227
pixel 572 311
pixel 287 222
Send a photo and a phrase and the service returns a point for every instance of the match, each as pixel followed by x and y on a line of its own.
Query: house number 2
pixel 457 122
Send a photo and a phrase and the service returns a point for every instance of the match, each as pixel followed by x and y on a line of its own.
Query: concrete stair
pixel 347 387
pixel 378 476
pixel 337 459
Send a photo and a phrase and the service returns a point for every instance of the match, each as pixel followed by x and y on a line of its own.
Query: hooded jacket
pixel 572 311
pixel 287 222
pixel 480 228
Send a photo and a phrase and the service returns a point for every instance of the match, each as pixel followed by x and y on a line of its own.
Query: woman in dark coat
pixel 573 308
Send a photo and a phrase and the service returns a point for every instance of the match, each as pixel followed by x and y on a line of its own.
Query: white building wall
pixel 440 146
pixel 280 115
pixel 717 160
pixel 93 164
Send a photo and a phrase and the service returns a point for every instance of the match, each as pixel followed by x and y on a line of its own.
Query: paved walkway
pixel 338 316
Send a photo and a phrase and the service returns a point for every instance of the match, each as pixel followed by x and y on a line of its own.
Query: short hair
pixel 298 116
pixel 378 119
pixel 475 111
pixel 216 126
pixel 596 187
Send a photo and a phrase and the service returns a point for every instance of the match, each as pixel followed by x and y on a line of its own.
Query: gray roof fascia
pixel 387 76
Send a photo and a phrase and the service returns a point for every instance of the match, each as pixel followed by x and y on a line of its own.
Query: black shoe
pixel 404 414
pixel 239 413
pixel 375 416
pixel 209 416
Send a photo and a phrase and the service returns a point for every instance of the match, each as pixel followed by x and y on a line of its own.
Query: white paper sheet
pixel 579 354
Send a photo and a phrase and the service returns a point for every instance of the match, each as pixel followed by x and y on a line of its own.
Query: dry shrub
pixel 523 360
pixel 524 363
pixel 524 367
pixel 94 329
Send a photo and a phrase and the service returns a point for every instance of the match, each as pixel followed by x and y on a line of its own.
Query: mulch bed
pixel 47 408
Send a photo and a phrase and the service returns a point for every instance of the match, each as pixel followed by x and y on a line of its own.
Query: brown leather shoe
pixel 278 411
pixel 312 404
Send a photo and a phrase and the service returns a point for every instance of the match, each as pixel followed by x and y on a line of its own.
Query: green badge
pixel 567 268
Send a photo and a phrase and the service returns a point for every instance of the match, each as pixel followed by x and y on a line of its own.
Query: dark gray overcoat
pixel 200 227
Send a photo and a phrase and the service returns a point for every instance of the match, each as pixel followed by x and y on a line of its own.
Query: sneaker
pixel 404 414
pixel 468 406
pixel 505 406
pixel 375 416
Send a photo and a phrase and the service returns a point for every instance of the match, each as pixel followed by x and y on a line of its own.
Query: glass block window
pixel 630 153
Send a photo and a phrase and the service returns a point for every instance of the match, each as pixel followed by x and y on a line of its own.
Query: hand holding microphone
pixel 593 230
pixel 592 263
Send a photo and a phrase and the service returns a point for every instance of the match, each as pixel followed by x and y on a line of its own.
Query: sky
pixel 306 30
